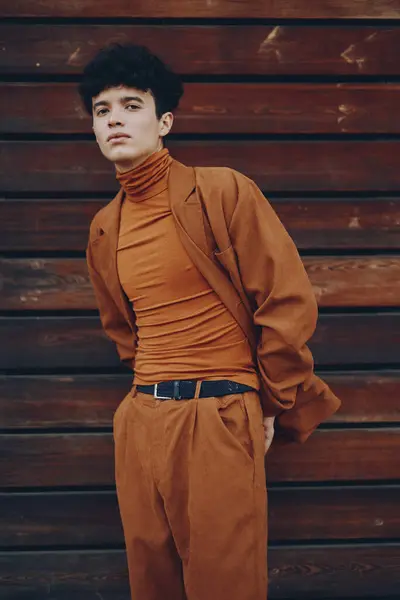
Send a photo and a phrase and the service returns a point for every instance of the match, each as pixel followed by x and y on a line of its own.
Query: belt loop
pixel 197 390
pixel 133 390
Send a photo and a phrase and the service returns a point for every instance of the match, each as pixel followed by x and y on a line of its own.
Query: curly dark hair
pixel 132 66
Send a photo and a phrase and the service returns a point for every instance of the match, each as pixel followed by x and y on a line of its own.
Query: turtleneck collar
pixel 149 178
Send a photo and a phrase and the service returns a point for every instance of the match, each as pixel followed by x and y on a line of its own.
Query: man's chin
pixel 121 154
pixel 123 159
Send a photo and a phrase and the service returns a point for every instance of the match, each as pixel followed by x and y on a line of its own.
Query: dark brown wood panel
pixel 334 513
pixel 363 572
pixel 343 455
pixel 275 165
pixel 63 284
pixel 92 518
pixel 90 400
pixel 341 223
pixel 56 460
pixel 49 284
pixel 77 342
pixel 266 9
pixel 209 49
pixel 361 281
pixel 82 575
pixel 366 397
pixel 359 338
pixel 220 108
pixel 37 460
pixel 55 343
pixel 61 401
pixel 346 571
pixel 43 225
pixel 59 519
pixel 320 223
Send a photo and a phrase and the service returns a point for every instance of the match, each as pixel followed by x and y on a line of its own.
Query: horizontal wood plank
pixel 364 512
pixel 76 459
pixel 346 571
pixel 343 455
pixel 70 401
pixel 56 460
pixel 83 575
pixel 363 572
pixel 55 343
pixel 275 165
pixel 48 225
pixel 266 9
pixel 76 342
pixel 85 401
pixel 366 397
pixel 209 49
pixel 79 519
pixel 314 223
pixel 63 284
pixel 355 281
pixel 220 108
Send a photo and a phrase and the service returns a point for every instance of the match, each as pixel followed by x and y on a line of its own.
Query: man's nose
pixel 114 118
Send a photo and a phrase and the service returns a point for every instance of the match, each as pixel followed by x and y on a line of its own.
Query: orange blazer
pixel 237 242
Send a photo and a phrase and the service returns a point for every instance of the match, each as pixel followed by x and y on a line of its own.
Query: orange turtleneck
pixel 184 330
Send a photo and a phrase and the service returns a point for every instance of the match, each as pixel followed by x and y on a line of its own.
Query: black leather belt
pixel 185 389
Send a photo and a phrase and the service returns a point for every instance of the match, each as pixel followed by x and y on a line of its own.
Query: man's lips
pixel 117 136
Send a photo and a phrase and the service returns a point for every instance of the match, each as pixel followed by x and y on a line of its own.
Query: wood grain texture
pixel 76 167
pixel 365 571
pixel 351 572
pixel 258 108
pixel 77 459
pixel 83 575
pixel 61 519
pixel 78 342
pixel 43 225
pixel 365 512
pixel 314 223
pixel 366 397
pixel 343 455
pixel 55 343
pixel 56 460
pixel 209 49
pixel 70 401
pixel 86 401
pixel 267 9
pixel 63 284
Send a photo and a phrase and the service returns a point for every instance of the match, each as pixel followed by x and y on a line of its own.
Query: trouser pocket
pixel 234 420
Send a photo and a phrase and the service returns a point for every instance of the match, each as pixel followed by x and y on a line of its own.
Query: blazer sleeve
pixel 113 321
pixel 285 311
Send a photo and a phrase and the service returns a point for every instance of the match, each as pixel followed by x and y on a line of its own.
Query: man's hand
pixel 269 432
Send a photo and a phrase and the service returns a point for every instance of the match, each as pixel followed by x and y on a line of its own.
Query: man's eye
pixel 101 112
pixel 132 106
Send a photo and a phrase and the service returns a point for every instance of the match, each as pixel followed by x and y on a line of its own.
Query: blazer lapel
pixel 104 250
pixel 187 209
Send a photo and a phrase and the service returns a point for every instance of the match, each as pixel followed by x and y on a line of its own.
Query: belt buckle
pixel 160 397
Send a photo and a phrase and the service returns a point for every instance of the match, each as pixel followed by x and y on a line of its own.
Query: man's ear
pixel 166 123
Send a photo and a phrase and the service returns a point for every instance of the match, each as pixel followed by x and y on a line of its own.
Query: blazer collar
pixel 185 207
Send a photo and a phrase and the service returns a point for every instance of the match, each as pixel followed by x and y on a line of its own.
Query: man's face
pixel 126 126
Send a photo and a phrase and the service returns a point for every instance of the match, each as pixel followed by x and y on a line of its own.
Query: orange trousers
pixel 191 490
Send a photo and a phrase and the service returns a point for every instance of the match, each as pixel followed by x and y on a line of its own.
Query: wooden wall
pixel 303 96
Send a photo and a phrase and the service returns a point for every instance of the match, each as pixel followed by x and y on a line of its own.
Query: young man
pixel 203 292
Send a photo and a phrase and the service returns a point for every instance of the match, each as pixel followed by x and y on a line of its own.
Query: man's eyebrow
pixel 123 99
pixel 100 103
pixel 129 98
